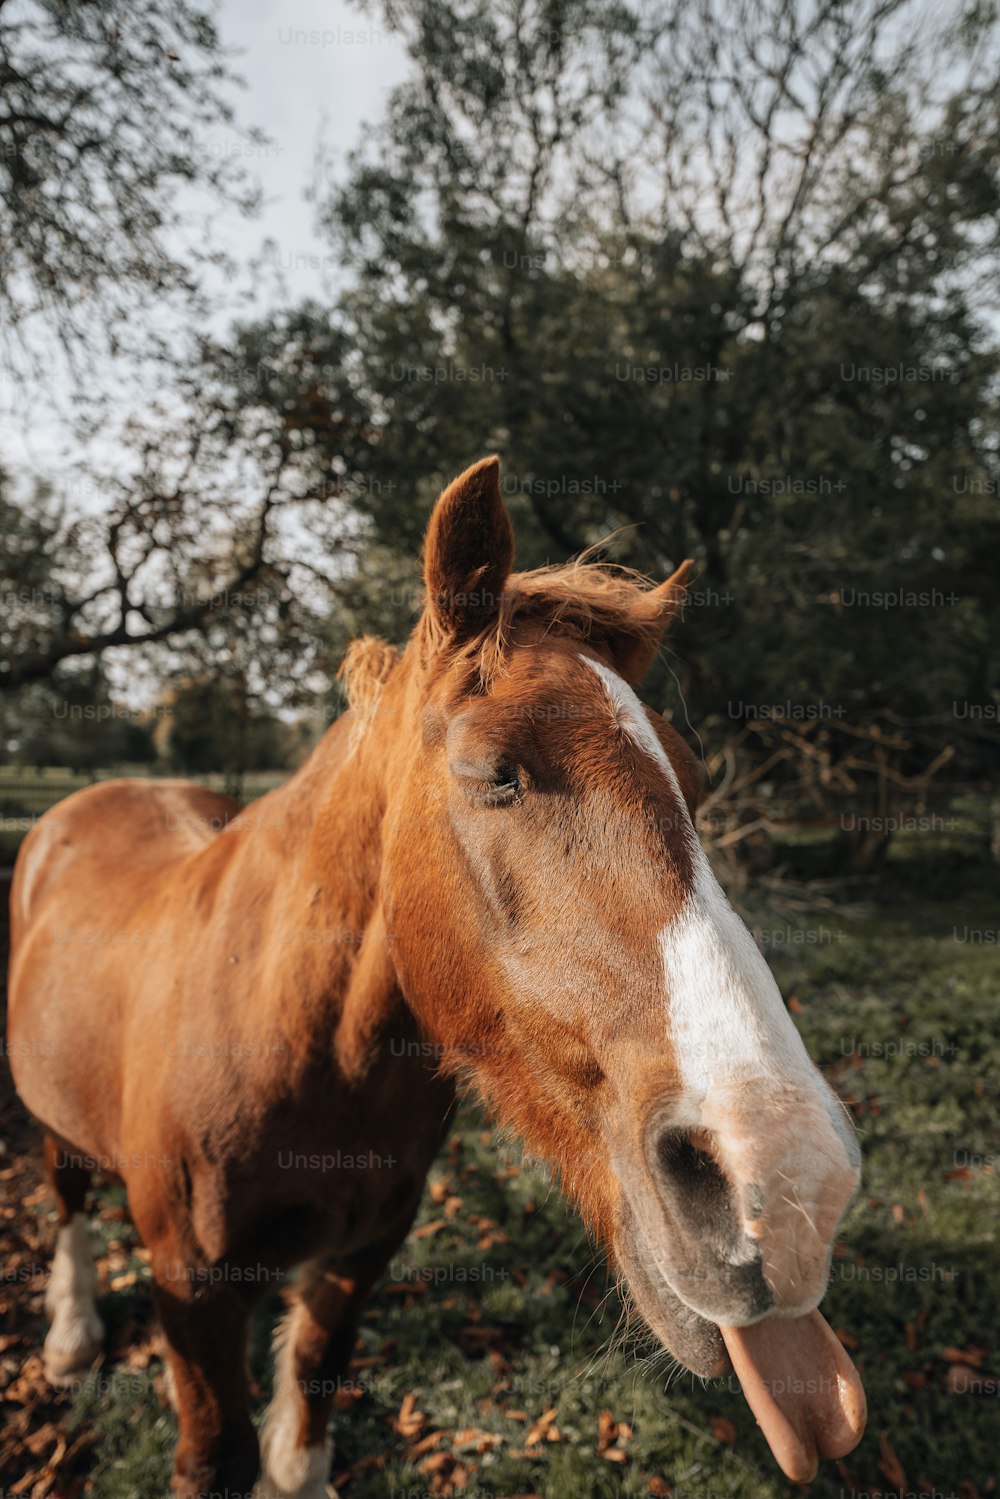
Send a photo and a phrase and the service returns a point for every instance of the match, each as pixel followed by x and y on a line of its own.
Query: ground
pixel 489 1364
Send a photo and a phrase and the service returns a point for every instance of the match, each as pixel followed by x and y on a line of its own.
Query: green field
pixel 500 1320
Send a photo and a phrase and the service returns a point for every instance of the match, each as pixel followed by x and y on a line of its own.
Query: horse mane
pixel 583 599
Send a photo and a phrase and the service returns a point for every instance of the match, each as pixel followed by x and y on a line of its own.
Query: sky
pixel 309 66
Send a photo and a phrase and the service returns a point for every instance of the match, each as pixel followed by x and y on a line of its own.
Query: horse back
pixel 83 894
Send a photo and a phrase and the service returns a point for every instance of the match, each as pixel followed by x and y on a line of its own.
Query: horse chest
pixel 326 1166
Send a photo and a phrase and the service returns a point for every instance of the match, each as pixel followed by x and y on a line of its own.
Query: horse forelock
pixel 367 665
pixel 594 602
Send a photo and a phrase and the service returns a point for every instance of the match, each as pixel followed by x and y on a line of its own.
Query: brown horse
pixel 491 857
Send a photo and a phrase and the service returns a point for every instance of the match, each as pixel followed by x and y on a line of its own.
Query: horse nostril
pixel 712 1258
pixel 693 1179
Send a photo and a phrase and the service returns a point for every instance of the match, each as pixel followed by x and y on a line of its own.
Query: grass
pixel 502 1315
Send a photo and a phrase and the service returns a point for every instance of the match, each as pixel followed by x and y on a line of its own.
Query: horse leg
pixel 217 1452
pixel 76 1334
pixel 313 1345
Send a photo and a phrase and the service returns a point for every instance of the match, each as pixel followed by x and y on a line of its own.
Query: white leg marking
pixel 169 1382
pixel 76 1335
pixel 290 1471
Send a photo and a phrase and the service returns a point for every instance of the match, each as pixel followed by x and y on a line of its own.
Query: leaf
pixel 409 1421
pixel 973 1356
pixel 426 1230
pixel 607 1430
pixel 426 1444
pixel 890 1464
pixel 539 1431
pixel 723 1431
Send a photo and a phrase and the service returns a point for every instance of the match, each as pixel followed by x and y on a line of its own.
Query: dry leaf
pixel 539 1431
pixel 427 1229
pixel 890 1464
pixel 723 1431
pixel 607 1430
pixel 409 1421
pixel 973 1356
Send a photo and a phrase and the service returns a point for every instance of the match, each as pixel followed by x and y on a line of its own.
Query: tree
pixel 73 721
pixel 107 113
pixel 206 537
pixel 718 277
pixel 210 724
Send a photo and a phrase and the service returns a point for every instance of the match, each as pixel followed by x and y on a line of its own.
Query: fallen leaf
pixel 723 1431
pixel 890 1464
pixel 409 1421
pixel 426 1444
pixel 539 1431
pixel 427 1229
pixel 607 1430
pixel 972 1356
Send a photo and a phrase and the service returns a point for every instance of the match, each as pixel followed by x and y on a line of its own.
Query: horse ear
pixel 636 653
pixel 468 552
pixel 671 595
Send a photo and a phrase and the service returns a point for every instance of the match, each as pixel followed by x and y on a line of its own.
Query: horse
pixel 490 861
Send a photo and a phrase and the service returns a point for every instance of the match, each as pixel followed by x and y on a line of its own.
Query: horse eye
pixel 504 786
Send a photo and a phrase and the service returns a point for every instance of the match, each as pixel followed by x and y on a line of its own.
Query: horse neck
pixel 328 939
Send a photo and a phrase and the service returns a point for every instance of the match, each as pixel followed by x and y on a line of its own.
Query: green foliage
pixel 801 394
pixel 213 725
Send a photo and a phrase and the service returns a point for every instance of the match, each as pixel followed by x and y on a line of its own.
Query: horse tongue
pixel 803 1389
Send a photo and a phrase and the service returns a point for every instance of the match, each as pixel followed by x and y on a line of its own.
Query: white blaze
pixel 731 1035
